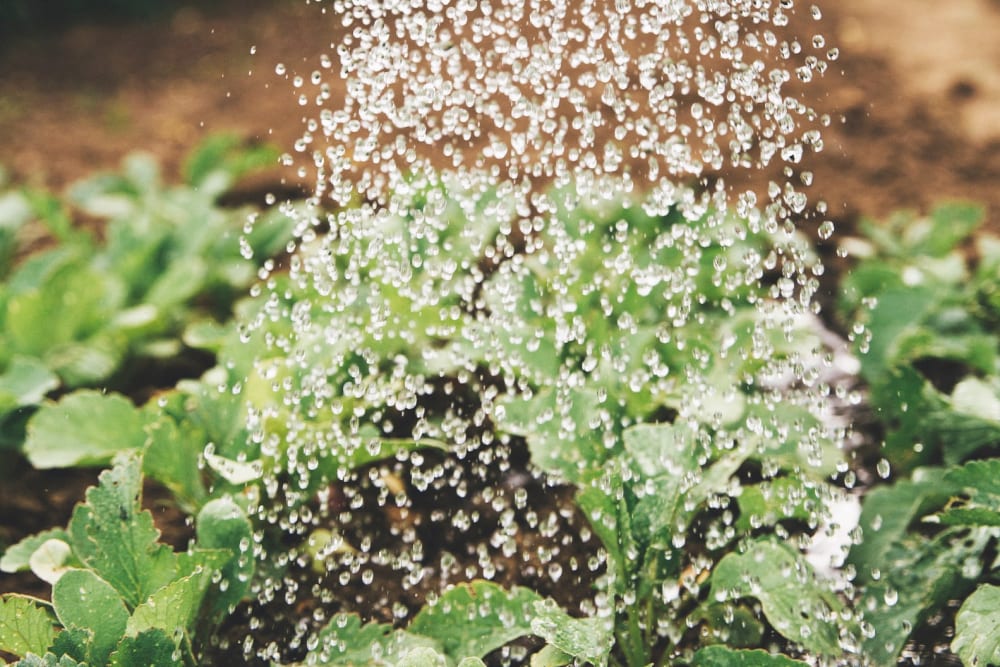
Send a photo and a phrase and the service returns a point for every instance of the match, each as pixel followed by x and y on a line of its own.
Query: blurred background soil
pixel 915 95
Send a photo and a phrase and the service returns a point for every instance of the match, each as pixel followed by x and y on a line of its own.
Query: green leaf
pixel 345 641
pixel 25 382
pixel 476 618
pixel 587 639
pixel 422 656
pixel 572 455
pixel 152 648
pixel 720 656
pixel 792 599
pixel 222 524
pixel 977 628
pixel 918 576
pixel 25 627
pixel 980 480
pixel 48 660
pixel 602 501
pixel 84 600
pixel 73 642
pixel 771 501
pixel 180 282
pixel 897 312
pixel 951 223
pixel 661 449
pixel 888 512
pixel 550 656
pixel 111 534
pixel 84 428
pixel 18 557
pixel 171 458
pixel 222 159
pixel 172 608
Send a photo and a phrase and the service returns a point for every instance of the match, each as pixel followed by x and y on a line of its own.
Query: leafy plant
pixel 119 597
pixel 657 456
pixel 172 256
pixel 929 314
pixel 926 294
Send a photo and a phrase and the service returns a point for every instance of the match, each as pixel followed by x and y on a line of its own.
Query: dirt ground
pixel 917 88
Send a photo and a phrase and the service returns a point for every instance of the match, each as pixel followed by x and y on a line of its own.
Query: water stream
pixel 536 224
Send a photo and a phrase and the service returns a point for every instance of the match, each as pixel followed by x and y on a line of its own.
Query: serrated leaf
pixel 661 449
pixel 111 534
pixel 222 524
pixel 977 628
pixel 18 557
pixel 789 594
pixel 152 648
pixel 476 618
pixel 586 639
pixel 83 600
pixel 48 660
pixel 73 642
pixel 172 608
pixel 84 428
pixel 720 656
pixel 25 627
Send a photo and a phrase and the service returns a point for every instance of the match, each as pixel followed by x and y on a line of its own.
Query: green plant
pixel 688 478
pixel 930 348
pixel 119 597
pixel 927 296
pixel 82 313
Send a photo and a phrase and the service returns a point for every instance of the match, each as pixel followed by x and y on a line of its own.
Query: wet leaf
pixel 720 656
pixel 586 639
pixel 476 618
pixel 172 608
pixel 888 512
pixel 918 576
pixel 84 600
pixel 222 524
pixel 171 458
pixel 792 600
pixel 25 626
pixel 977 627
pixel 345 641
pixel 769 502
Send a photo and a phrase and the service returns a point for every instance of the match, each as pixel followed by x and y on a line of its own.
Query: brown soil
pixel 917 90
